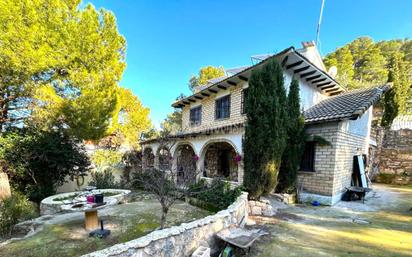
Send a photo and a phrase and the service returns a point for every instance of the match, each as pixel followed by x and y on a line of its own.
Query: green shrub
pixel 103 179
pixel 216 196
pixel 37 162
pixel 13 210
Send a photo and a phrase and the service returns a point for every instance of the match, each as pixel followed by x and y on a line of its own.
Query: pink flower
pixel 237 158
pixel 195 157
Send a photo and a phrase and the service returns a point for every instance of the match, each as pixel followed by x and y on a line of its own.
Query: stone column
pixel 240 172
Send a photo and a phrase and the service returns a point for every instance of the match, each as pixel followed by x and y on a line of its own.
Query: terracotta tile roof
pixel 349 105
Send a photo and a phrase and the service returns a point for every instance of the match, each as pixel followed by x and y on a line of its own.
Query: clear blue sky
pixel 168 41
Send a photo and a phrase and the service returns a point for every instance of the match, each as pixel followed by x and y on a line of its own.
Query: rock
pixel 265 201
pixel 256 210
pixel 202 252
pixel 250 222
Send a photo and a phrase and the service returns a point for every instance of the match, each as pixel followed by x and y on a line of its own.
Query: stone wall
pixel 262 207
pixel 181 240
pixel 347 145
pixel 212 164
pixel 333 163
pixel 208 110
pixel 321 181
pixel 395 157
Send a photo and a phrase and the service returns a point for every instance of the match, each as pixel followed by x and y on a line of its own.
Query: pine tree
pixel 364 63
pixel 342 58
pixel 296 140
pixel 266 130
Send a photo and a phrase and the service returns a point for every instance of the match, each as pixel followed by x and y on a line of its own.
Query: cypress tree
pixel 396 99
pixel 295 144
pixel 265 132
pixel 389 105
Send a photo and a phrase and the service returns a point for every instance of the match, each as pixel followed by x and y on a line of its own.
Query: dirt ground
pixel 64 235
pixel 382 226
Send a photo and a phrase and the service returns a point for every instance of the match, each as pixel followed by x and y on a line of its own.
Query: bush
pixel 37 162
pixel 216 196
pixel 13 210
pixel 103 179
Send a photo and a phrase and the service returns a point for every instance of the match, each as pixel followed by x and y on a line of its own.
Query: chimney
pixel 308 44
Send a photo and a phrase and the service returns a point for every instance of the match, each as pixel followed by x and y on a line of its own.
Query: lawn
pixel 64 235
pixel 380 227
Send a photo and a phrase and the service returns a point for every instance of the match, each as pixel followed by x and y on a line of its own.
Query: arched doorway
pixel 164 159
pixel 148 158
pixel 220 161
pixel 185 164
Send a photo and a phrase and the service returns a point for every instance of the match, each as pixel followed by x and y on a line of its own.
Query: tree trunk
pixel 4 186
pixel 163 218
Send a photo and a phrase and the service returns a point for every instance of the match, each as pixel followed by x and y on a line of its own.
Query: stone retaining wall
pixel 181 240
pixel 261 207
pixel 395 157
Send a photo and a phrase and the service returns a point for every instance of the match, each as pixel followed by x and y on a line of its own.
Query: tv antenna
pixel 319 22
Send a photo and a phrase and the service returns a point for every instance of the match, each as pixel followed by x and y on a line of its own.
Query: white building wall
pixel 309 96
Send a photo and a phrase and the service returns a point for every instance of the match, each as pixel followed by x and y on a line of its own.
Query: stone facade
pixel 200 145
pixel 333 162
pixel 208 110
pixel 395 157
pixel 181 240
pixel 213 165
pixel 321 180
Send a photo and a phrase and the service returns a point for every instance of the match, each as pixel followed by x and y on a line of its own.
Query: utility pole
pixel 320 21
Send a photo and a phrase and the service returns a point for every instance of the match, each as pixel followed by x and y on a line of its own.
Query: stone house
pixel 214 118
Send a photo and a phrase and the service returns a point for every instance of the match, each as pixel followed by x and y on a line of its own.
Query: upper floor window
pixel 196 116
pixel 222 108
pixel 243 101
pixel 308 158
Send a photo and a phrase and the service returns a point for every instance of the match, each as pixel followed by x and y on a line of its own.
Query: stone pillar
pixel 240 172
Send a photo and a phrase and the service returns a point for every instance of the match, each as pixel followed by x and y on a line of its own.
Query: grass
pixel 325 231
pixel 126 222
